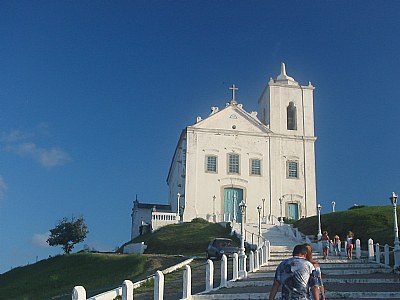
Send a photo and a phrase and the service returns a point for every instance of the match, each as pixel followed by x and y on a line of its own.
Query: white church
pixel 266 159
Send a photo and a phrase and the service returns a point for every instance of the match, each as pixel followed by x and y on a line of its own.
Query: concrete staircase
pixel 353 279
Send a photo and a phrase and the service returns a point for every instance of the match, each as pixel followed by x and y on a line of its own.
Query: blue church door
pixel 293 211
pixel 232 198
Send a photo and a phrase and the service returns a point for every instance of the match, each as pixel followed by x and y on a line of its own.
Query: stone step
pixel 342 272
pixel 343 278
pixel 354 271
pixel 247 294
pixel 263 281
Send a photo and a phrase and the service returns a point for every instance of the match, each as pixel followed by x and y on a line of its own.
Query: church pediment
pixel 232 118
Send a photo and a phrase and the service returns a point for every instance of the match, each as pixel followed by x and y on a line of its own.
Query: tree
pixel 68 233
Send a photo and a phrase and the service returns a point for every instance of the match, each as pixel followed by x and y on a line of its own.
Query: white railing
pixel 257 259
pixel 384 255
pixel 160 219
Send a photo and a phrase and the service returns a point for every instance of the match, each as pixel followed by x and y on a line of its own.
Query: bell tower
pixel 286 107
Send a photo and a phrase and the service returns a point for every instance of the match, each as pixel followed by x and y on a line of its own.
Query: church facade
pixel 266 160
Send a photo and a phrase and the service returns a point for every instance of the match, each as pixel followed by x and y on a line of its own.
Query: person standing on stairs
pixel 297 277
pixel 350 245
pixel 325 244
pixel 336 244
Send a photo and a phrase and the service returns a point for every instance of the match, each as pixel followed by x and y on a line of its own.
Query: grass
pixel 374 222
pixel 54 277
pixel 186 238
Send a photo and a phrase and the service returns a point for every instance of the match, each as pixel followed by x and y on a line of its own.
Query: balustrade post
pixel 127 290
pixel 262 263
pixel 159 286
pixel 377 253
pixel 264 253
pixel 79 293
pixel 386 255
pixel 235 267
pixel 371 253
pixel 251 261
pixel 187 283
pixel 209 275
pixel 396 254
pixel 224 272
pixel 256 260
pixel 358 249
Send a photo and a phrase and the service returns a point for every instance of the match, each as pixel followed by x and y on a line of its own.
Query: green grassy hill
pixel 100 272
pixel 97 272
pixel 374 222
pixel 186 238
pixel 59 274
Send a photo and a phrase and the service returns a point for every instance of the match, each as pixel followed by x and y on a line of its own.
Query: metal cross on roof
pixel 233 89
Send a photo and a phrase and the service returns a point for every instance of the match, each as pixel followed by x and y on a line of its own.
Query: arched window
pixel 291 117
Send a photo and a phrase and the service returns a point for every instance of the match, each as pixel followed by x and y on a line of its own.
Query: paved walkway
pixel 354 279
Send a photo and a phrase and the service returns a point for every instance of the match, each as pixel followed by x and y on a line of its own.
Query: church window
pixel 255 167
pixel 233 163
pixel 291 117
pixel 292 169
pixel 211 163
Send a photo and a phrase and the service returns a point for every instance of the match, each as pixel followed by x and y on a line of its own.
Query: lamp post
pixel 393 199
pixel 214 216
pixel 259 223
pixel 177 209
pixel 333 206
pixel 242 259
pixel 281 218
pixel 319 235
pixel 263 201
pixel 234 207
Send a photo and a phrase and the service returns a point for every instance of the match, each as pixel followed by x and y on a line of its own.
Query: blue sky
pixel 94 95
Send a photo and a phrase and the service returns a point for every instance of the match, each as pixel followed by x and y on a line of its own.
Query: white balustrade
pixel 209 275
pixel 224 272
pixel 386 254
pixel 358 248
pixel 235 272
pixel 159 286
pixel 187 283
pixel 377 254
pixel 127 290
pixel 371 253
pixel 256 260
pixel 251 261
pixel 79 293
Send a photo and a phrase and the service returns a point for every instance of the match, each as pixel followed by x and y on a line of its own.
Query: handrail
pixel 389 257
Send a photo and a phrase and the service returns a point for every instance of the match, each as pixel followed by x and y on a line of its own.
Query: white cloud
pixel 20 143
pixel 3 188
pixel 14 135
pixel 39 239
pixel 53 157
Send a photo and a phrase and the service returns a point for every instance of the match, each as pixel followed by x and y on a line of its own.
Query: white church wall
pixel 140 216
pixel 308 110
pixel 232 130
pixel 177 176
pixel 205 185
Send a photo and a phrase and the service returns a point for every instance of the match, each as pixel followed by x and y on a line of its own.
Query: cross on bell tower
pixel 233 89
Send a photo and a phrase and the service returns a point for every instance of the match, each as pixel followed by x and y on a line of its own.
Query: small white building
pixel 232 155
